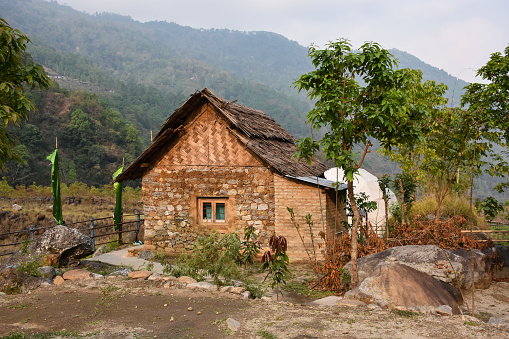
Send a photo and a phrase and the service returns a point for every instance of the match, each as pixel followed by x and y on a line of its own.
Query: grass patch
pixel 302 288
pixel 406 314
pixel 265 334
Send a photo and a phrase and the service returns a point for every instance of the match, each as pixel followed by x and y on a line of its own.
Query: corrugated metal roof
pixel 321 181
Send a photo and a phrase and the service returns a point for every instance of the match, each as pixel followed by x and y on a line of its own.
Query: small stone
pixel 496 322
pixel 233 324
pixel 226 288
pixel 198 312
pixel 444 310
pixel 246 294
pixel 77 274
pixel 139 274
pixel 47 272
pixel 186 280
pixel 350 303
pixel 165 305
pixel 58 280
pixel 238 290
pixel 189 308
pixel 172 319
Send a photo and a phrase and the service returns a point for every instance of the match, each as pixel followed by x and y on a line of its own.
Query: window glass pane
pixel 220 211
pixel 207 211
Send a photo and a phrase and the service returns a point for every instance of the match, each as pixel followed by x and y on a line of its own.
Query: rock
pixel 139 274
pixel 425 309
pixel 496 322
pixel 68 243
pixel 77 274
pixel 432 261
pixel 123 272
pixel 246 294
pixel 203 285
pixel 226 288
pixel 16 207
pixel 266 299
pixel 327 301
pixel 47 272
pixel 233 324
pixel 373 307
pixel 155 276
pixel 186 280
pixel 129 237
pixel 444 310
pixel 394 285
pixel 147 255
pixel 189 309
pixel 58 280
pixel 237 290
pixel 100 250
pixel 503 252
pixel 350 303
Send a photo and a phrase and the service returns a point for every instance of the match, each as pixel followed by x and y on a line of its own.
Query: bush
pixel 216 255
pixel 452 206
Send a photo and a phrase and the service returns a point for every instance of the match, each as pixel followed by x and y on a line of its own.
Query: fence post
pixel 138 217
pixel 92 230
pixel 31 233
pixel 120 230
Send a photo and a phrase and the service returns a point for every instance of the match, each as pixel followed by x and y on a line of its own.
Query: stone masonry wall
pixel 170 198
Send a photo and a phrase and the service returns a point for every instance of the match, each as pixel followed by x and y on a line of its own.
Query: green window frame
pixel 213 210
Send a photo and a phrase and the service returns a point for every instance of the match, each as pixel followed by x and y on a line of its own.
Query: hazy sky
pixel 455 35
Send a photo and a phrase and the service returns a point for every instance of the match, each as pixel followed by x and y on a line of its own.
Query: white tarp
pixel 367 183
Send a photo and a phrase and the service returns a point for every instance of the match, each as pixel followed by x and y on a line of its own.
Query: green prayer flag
pixel 55 183
pixel 117 215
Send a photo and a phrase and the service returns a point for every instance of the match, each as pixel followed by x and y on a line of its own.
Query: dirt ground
pixel 123 308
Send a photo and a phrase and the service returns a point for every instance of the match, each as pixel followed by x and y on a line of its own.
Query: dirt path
pixel 121 308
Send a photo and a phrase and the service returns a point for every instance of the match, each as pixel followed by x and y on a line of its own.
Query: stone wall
pixel 171 196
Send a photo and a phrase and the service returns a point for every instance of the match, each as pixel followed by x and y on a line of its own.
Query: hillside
pixel 144 71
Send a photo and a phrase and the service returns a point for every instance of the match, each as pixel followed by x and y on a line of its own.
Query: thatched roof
pixel 266 138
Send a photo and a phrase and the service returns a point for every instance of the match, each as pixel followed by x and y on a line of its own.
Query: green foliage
pixel 216 255
pixel 276 264
pixel 490 104
pixel 490 207
pixel 16 76
pixel 359 95
pixel 250 246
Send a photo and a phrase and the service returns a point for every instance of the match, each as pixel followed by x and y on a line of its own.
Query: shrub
pixel 216 255
pixel 451 207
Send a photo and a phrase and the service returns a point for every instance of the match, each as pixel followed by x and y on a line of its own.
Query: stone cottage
pixel 218 165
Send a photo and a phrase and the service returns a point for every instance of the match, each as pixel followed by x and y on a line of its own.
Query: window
pixel 213 210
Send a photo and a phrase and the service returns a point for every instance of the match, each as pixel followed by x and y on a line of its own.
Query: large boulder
pixel 392 285
pixel 66 244
pixel 432 260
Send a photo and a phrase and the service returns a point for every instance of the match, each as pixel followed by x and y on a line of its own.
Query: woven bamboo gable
pixel 207 130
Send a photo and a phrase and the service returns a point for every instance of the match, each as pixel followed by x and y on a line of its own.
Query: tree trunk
pixel 402 192
pixel 386 203
pixel 354 231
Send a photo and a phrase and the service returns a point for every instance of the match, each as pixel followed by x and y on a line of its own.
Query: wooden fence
pixel 101 228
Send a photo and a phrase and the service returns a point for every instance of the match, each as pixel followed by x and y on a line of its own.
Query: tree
pixel 15 78
pixel 358 96
pixel 490 103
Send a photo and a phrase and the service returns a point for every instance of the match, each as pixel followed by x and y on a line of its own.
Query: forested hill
pixel 139 73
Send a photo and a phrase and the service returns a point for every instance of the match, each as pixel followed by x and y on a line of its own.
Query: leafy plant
pixel 250 246
pixel 490 207
pixel 216 255
pixel 277 264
